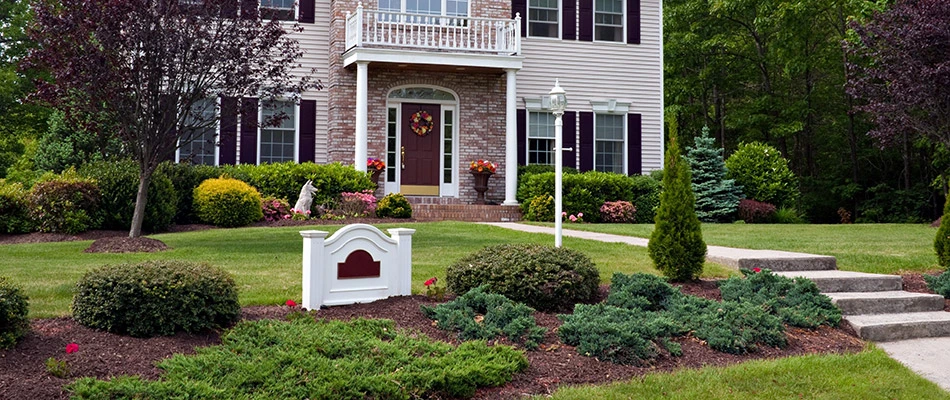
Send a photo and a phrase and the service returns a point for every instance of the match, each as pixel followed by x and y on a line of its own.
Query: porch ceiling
pixel 436 61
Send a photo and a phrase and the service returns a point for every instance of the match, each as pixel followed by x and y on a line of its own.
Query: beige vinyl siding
pixel 315 42
pixel 601 71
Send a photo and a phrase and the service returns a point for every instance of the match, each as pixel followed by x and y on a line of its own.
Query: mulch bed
pixel 916 283
pixel 103 355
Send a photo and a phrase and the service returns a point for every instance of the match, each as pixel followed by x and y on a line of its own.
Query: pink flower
pixel 580 215
pixel 291 303
pixel 564 213
pixel 573 218
pixel 756 269
pixel 431 281
pixel 72 348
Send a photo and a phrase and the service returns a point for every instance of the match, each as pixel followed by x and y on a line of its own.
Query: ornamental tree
pixel 676 244
pixel 153 69
pixel 717 198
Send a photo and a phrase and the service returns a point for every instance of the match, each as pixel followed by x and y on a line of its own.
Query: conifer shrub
pixel 619 335
pixel 543 277
pixel 479 315
pixel 14 209
pixel 65 203
pixel 942 239
pixel 156 298
pixel 738 328
pixel 14 323
pixel 640 291
pixel 763 174
pixel 227 202
pixel 756 212
pixel 676 245
pixel 717 198
pixel 119 184
pixel 394 205
pixel 797 302
pixel 940 284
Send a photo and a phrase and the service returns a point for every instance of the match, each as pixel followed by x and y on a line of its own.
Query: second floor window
pixel 448 8
pixel 278 9
pixel 608 20
pixel 543 18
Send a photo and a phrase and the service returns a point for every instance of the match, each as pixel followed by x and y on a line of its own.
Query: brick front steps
pixel 451 209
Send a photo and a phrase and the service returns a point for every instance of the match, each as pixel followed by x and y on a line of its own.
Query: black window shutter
pixel 633 21
pixel 308 130
pixel 249 9
pixel 229 9
pixel 521 7
pixel 634 144
pixel 522 118
pixel 227 153
pixel 249 130
pixel 569 20
pixel 587 141
pixel 570 138
pixel 307 11
pixel 586 14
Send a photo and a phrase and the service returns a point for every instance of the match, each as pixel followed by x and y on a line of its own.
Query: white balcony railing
pixel 435 32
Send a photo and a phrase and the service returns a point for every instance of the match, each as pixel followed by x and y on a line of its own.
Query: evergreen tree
pixel 942 241
pixel 717 198
pixel 676 245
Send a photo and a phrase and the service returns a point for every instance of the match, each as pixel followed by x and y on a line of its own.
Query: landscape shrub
pixel 942 239
pixel 356 204
pixel 940 284
pixel 156 298
pixel 619 335
pixel 275 209
pixel 394 205
pixel 738 328
pixel 716 197
pixel 763 174
pixel 676 245
pixel 65 203
pixel 14 308
pixel 305 358
pixel 14 209
pixel 532 169
pixel 185 178
pixel 543 277
pixel 640 291
pixel 797 302
pixel 788 215
pixel 479 315
pixel 227 202
pixel 586 192
pixel 756 212
pixel 541 208
pixel 646 196
pixel 885 204
pixel 619 211
pixel 283 180
pixel 119 184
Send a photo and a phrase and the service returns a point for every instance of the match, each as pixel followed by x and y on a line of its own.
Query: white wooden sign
pixel 358 264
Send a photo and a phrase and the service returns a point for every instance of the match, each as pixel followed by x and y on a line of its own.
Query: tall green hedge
pixel 119 184
pixel 283 180
pixel 586 192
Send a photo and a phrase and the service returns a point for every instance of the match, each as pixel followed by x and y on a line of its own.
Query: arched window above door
pixel 421 93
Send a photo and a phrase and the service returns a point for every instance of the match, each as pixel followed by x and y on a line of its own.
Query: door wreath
pixel 421 123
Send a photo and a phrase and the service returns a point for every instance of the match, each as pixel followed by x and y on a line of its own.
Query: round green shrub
pixel 14 209
pixel 119 183
pixel 227 202
pixel 65 203
pixel 394 205
pixel 541 208
pixel 763 174
pixel 14 323
pixel 543 277
pixel 156 298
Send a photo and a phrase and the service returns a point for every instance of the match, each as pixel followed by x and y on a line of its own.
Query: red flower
pixel 72 348
pixel 756 269
pixel 431 281
pixel 291 303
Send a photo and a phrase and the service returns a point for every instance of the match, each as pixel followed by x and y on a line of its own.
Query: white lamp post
pixel 558 104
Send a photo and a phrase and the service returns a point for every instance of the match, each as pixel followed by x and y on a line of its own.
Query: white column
pixel 403 238
pixel 314 284
pixel 511 140
pixel 359 157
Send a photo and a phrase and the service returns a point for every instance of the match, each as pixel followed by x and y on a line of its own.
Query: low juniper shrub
pixel 737 327
pixel 940 284
pixel 619 335
pixel 756 212
pixel 14 307
pixel 797 302
pixel 640 291
pixel 486 316
pixel 156 298
pixel 620 211
pixel 543 277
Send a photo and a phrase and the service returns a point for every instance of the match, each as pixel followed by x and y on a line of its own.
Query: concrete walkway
pixel 927 357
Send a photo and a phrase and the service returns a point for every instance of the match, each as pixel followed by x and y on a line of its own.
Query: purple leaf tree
pixel 152 70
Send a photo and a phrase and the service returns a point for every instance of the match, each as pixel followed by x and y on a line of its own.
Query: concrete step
pixel 890 327
pixel 847 281
pixel 890 302
pixel 774 260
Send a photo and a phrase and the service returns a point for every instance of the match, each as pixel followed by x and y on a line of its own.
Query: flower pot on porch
pixel 375 176
pixel 481 185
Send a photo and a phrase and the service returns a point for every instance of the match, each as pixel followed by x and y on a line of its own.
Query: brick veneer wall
pixel 481 103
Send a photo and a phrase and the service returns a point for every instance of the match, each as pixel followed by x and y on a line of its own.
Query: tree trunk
pixel 141 197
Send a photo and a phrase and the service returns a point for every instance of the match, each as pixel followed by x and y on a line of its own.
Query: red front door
pixel 421 139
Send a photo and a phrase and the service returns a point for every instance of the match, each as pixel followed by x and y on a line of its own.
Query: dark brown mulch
pixel 916 283
pixel 102 355
pixel 126 245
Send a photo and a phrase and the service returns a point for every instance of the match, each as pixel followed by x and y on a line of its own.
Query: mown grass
pixel 266 262
pixel 874 248
pixel 870 374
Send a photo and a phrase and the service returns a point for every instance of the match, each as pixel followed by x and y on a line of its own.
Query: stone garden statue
pixel 305 200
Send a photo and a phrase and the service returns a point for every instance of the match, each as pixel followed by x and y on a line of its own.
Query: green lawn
pixel 266 262
pixel 868 375
pixel 875 248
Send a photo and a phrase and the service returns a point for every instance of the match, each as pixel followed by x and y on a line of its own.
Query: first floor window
pixel 543 18
pixel 608 20
pixel 278 142
pixel 540 138
pixel 198 141
pixel 608 143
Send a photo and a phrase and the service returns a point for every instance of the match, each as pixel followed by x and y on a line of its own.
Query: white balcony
pixel 377 35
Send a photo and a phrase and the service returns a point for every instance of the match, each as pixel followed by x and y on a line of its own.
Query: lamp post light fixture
pixel 558 104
